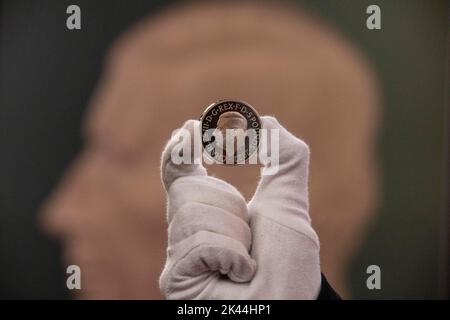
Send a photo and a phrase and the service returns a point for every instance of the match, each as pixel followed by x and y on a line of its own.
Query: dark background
pixel 48 73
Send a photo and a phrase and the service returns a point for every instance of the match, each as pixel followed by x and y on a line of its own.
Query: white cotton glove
pixel 220 247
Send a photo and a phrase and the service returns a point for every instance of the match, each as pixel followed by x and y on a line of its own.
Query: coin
pixel 230 131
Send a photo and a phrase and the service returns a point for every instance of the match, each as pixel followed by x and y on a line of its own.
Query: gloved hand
pixel 220 247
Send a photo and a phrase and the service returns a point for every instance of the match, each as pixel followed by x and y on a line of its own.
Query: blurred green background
pixel 410 55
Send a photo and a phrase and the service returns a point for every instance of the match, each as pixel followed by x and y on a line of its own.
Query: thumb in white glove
pixel 211 254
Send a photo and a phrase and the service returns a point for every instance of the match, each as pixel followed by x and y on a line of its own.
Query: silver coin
pixel 230 131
